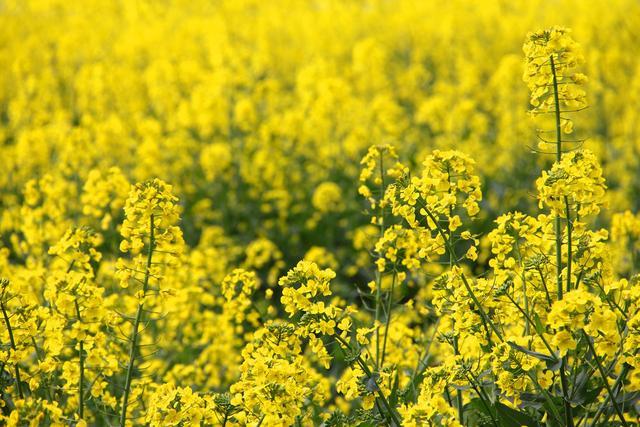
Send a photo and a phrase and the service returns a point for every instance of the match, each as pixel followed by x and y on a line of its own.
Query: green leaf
pixel 393 397
pixel 477 414
pixel 582 394
pixel 538 324
pixel 555 365
pixel 509 417
pixel 541 356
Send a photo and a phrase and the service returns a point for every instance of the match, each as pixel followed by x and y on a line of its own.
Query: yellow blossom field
pixel 275 213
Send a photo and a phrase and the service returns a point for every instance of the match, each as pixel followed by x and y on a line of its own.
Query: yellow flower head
pixel 578 178
pixel 548 52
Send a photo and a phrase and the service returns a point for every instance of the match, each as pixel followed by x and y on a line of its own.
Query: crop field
pixel 274 213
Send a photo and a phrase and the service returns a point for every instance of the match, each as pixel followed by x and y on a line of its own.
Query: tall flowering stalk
pixel 149 230
pixel 572 189
pixel 73 292
pixel 533 338
pixel 551 58
pixel 376 180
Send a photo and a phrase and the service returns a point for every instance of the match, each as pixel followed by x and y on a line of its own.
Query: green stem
pixel 369 375
pixel 568 412
pixel 558 232
pixel 569 237
pixel 485 318
pixel 459 402
pixel 13 347
pixel 483 397
pixel 452 260
pixel 556 100
pixel 545 393
pixel 558 220
pixel 388 322
pixel 528 319
pixel 134 338
pixel 619 380
pixel 528 323
pixel 377 314
pixel 81 384
pixel 544 285
pixel 378 273
pixel 604 379
pixel 81 357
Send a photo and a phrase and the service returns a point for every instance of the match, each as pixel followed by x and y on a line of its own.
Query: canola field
pixel 320 213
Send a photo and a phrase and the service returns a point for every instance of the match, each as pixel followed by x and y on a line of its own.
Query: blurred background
pixel 258 112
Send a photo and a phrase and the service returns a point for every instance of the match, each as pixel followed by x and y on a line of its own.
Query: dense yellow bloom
pixel 541 48
pixel 175 406
pixel 431 406
pixel 258 289
pixel 578 178
pixel 103 196
pixel 447 182
pixel 151 215
pixel 215 160
pixel 305 288
pixel 327 197
pixel 150 209
pixel 275 379
pixel 238 288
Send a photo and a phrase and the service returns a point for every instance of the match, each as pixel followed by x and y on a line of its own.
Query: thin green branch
pixel 569 243
pixel 369 375
pixel 558 232
pixel 81 367
pixel 388 319
pixel 134 337
pixel 378 273
pixel 605 380
pixel 617 384
pixel 485 318
pixel 13 347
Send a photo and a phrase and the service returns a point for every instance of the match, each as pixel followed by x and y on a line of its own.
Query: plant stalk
pixel 558 232
pixel 134 338
pixel 13 347
pixel 606 382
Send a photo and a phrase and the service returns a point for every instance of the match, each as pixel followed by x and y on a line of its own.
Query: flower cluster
pixel 151 209
pixel 575 184
pixel 276 379
pixel 176 406
pixel 151 216
pixel 374 176
pixel 447 182
pixel 579 310
pixel 104 195
pixel 551 59
pixel 305 288
pixel 238 288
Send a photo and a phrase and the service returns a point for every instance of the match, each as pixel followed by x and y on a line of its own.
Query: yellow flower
pixel 327 198
pixel 564 341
